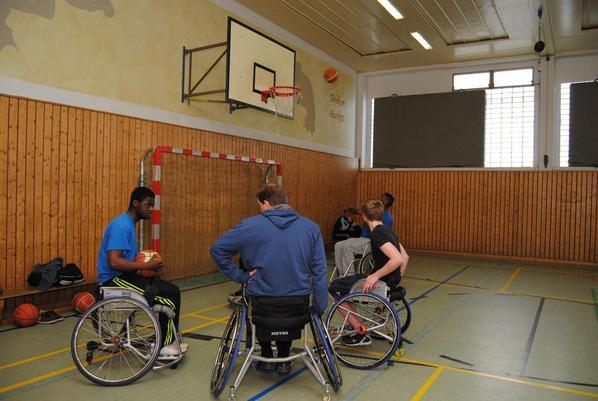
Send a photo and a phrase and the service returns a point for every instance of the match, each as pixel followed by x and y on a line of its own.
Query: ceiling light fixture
pixel 417 36
pixel 392 10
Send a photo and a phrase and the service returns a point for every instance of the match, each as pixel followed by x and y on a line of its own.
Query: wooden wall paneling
pixel 11 208
pixel 84 199
pixel 29 205
pixel 20 243
pixel 69 188
pixel 567 216
pixel 91 120
pixel 4 172
pixel 99 201
pixel 39 184
pixel 62 181
pixel 589 218
pixel 79 254
pixel 580 222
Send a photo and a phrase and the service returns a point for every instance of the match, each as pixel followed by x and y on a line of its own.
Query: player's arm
pixel 396 259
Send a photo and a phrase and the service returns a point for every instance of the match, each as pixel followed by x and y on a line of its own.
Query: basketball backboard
pixel 256 62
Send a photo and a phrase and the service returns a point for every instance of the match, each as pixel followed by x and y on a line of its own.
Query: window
pixel 564 137
pixel 564 123
pixel 509 121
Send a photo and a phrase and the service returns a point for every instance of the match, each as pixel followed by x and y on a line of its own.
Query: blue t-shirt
pixel 119 235
pixel 386 220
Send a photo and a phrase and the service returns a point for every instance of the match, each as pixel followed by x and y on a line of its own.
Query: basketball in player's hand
pixel 146 256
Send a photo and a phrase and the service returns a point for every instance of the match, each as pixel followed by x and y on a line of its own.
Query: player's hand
pixel 155 265
pixel 251 274
pixel 370 282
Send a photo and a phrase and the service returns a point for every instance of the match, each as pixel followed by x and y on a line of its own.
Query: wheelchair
pixel 114 341
pixel 317 355
pixel 382 315
pixel 362 263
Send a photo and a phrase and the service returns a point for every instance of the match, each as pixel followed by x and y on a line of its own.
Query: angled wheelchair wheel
pixel 404 311
pixel 228 350
pixel 325 352
pixel 366 264
pixel 113 343
pixel 378 336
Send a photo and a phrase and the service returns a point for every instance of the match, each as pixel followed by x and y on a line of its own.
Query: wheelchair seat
pixel 397 293
pixel 274 319
pixel 279 318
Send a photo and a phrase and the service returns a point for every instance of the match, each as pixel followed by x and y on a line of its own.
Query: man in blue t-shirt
pixel 345 251
pixel 117 266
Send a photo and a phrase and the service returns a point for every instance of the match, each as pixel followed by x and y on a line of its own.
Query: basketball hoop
pixel 284 99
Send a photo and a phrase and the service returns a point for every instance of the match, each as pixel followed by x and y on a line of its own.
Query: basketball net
pixel 284 99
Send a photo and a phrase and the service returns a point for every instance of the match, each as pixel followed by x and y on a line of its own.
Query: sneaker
pixel 264 366
pixel 170 350
pixel 356 340
pixel 283 368
pixel 49 317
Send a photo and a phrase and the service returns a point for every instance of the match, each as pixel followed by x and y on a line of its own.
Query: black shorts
pixel 342 286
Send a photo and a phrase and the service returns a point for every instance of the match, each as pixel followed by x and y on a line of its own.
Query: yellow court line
pixel 497 377
pixel 211 319
pixel 201 326
pixel 59 351
pixel 423 389
pixel 526 294
pixel 35 358
pixel 36 379
pixel 70 368
pixel 510 280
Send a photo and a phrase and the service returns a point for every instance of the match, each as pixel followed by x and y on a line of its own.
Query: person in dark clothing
pixel 345 227
pixel 390 263
pixel 283 255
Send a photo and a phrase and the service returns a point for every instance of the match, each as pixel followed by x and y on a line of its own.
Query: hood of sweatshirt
pixel 282 216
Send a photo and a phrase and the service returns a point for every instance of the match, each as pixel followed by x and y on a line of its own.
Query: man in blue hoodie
pixel 284 255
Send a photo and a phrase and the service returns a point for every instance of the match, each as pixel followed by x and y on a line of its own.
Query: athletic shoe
pixel 171 350
pixel 283 368
pixel 264 366
pixel 49 317
pixel 356 340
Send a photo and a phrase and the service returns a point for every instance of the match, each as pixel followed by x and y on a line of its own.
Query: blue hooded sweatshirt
pixel 286 249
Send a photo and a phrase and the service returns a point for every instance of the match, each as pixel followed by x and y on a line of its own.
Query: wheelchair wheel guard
pixel 325 351
pixel 378 335
pixel 228 350
pixel 113 342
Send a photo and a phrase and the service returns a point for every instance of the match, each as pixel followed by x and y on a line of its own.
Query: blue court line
pixel 422 295
pixel 277 384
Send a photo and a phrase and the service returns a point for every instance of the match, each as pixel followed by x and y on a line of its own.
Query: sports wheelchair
pixel 381 315
pixel 115 341
pixel 317 354
pixel 362 263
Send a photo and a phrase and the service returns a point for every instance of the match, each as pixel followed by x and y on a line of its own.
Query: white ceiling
pixel 362 35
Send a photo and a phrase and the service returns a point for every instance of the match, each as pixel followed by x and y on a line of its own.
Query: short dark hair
pixel 389 199
pixel 272 193
pixel 373 209
pixel 140 193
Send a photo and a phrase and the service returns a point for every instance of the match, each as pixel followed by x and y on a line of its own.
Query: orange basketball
pixel 330 75
pixel 26 315
pixel 146 256
pixel 82 301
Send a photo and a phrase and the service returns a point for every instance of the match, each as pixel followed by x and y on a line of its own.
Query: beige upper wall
pixel 130 51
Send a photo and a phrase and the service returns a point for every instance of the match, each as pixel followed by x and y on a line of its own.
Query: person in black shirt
pixel 390 263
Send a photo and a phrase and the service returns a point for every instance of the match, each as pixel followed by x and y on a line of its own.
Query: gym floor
pixel 481 330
